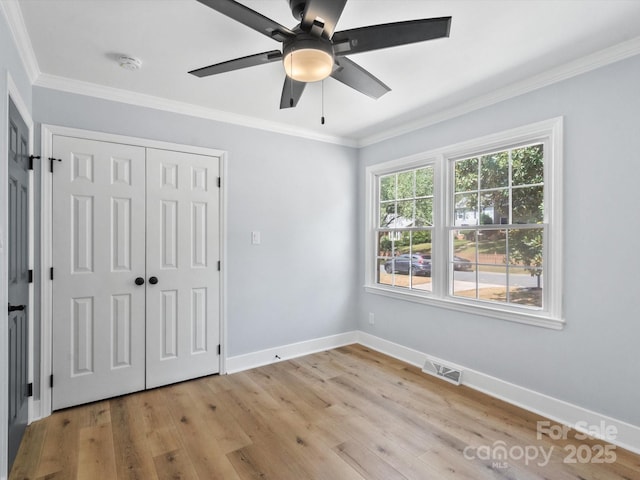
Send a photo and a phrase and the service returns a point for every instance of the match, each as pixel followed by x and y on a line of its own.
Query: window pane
pixel 424 182
pixel 422 242
pixel 405 214
pixel 492 247
pixel 527 165
pixel 465 284
pixel 494 170
pixel 385 244
pixel 387 214
pixel 424 212
pixel 526 247
pixel 528 204
pixel 525 287
pixel 464 243
pixel 492 284
pixel 421 273
pixel 466 209
pixel 466 173
pixel 382 276
pixel 388 187
pixel 406 184
pixel 494 207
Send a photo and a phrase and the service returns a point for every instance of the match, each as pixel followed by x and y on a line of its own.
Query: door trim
pixel 13 92
pixel 47 133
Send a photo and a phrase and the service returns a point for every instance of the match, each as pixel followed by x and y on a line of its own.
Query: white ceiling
pixel 493 44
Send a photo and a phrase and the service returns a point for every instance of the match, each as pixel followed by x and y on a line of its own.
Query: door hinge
pixel 219 349
pixel 31 159
pixel 30 390
pixel 51 381
pixel 51 273
pixel 51 160
pixel 30 276
pixel 219 182
pixel 219 266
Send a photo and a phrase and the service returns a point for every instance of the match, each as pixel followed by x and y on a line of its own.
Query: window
pixel 405 222
pixel 497 238
pixel 474 226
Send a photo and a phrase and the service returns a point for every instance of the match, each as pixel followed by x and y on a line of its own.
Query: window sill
pixel 534 319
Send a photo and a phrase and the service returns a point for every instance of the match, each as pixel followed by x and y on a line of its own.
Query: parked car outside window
pixel 418 264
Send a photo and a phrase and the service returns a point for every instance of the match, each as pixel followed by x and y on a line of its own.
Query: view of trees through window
pixel 495 229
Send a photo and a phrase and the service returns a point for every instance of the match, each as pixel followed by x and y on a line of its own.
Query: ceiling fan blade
pixel 353 75
pixel 291 92
pixel 326 12
pixel 238 63
pixel 250 18
pixel 374 37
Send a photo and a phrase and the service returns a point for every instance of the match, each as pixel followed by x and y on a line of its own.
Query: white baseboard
pixel 627 437
pixel 286 352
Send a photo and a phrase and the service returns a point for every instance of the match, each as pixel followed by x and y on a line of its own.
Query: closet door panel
pixel 98 251
pixel 183 250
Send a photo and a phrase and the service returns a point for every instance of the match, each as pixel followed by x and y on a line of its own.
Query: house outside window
pixel 473 227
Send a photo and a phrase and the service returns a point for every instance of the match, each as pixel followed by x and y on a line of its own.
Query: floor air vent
pixel 450 374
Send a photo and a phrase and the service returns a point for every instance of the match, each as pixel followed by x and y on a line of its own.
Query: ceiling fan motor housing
pixel 297 8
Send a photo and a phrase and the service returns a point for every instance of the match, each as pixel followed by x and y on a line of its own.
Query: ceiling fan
pixel 313 51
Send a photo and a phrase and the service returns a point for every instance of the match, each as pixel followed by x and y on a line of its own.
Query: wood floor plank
pixel 133 456
pixel 61 444
pixel 174 465
pixel 367 463
pixel 96 458
pixel 349 413
pixel 224 428
pixel 193 427
pixel 32 444
pixel 160 427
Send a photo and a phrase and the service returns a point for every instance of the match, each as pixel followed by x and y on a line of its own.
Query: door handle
pixel 139 281
pixel 16 308
pixel 153 280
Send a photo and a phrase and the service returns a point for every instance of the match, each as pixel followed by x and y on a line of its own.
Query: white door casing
pixel 182 254
pixel 98 251
pixel 112 336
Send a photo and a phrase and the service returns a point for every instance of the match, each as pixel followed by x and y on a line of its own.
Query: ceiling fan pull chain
pixel 322 117
pixel 291 84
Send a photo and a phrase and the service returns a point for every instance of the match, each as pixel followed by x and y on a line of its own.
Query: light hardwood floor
pixel 349 413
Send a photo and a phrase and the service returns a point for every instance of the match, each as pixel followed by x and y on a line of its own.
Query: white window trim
pixel 549 131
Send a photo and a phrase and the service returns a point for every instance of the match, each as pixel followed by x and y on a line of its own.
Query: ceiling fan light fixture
pixel 308 65
pixel 308 59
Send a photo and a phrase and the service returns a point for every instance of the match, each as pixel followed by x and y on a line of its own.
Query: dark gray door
pixel 18 271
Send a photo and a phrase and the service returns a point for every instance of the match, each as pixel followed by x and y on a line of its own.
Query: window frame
pixel 548 132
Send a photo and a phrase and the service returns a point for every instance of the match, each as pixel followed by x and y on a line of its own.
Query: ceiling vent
pixel 445 372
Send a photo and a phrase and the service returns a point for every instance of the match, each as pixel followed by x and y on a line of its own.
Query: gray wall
pixel 594 361
pixel 299 284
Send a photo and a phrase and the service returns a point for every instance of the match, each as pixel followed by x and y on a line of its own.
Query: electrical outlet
pixel 255 238
pixel 372 319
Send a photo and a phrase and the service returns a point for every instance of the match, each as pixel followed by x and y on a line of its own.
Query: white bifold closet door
pixel 124 215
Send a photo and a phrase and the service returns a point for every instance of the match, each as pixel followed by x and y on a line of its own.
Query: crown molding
pixel 149 101
pixel 15 21
pixel 571 69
